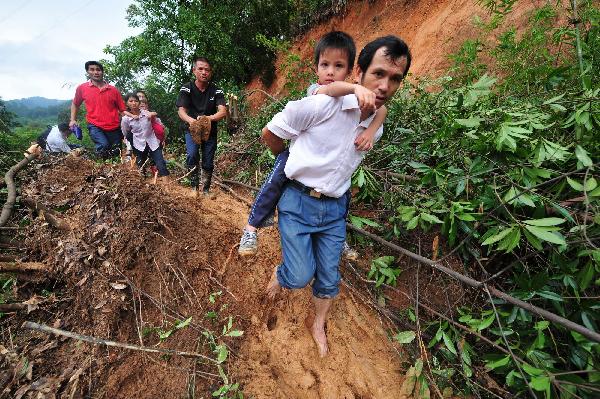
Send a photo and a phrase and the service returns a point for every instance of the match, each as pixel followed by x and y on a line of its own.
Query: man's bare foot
pixel 273 287
pixel 318 334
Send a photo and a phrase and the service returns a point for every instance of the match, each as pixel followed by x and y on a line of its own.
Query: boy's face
pixel 332 66
pixel 143 105
pixel 383 76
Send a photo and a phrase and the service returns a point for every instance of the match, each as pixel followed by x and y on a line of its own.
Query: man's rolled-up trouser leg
pixel 298 267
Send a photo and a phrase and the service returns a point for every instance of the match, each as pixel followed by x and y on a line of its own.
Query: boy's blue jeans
pixel 107 142
pixel 270 192
pixel 157 157
pixel 313 231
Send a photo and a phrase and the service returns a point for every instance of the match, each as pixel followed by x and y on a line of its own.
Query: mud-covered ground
pixel 139 261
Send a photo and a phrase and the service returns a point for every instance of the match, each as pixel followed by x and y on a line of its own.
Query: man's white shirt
pixel 55 142
pixel 323 129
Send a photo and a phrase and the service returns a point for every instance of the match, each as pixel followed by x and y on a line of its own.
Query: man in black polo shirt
pixel 197 98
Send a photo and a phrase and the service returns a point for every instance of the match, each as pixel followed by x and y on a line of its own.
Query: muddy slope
pixel 141 258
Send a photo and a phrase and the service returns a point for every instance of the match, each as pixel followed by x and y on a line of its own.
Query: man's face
pixel 332 66
pixel 202 71
pixel 95 73
pixel 383 76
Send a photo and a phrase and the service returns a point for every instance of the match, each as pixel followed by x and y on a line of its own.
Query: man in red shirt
pixel 104 105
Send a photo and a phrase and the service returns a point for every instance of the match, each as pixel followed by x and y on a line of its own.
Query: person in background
pixel 56 141
pixel 104 105
pixel 144 141
pixel 197 98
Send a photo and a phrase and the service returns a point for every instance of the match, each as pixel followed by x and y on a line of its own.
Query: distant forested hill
pixel 38 109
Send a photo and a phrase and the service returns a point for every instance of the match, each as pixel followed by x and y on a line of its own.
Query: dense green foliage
pixel 506 153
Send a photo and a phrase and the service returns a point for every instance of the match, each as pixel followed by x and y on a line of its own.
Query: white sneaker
pixel 248 243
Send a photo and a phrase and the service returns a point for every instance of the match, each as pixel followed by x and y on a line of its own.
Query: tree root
pixel 9 179
pixel 50 216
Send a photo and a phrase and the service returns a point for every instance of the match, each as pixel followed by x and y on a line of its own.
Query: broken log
pixel 50 216
pixel 12 307
pixel 22 267
pixel 9 179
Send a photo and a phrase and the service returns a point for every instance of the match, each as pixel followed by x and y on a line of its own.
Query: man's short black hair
pixel 203 59
pixel 337 40
pixel 87 65
pixel 395 48
pixel 63 127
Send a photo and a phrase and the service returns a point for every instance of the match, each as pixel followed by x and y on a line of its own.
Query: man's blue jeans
pixel 209 147
pixel 313 231
pixel 107 142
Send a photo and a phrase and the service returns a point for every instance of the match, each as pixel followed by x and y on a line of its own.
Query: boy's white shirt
pixel 324 129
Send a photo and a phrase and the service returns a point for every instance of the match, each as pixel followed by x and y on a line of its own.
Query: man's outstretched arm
pixel 275 143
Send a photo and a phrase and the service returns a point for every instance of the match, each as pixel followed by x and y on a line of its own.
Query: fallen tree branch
pixel 98 341
pixel 230 190
pixel 12 307
pixel 50 216
pixel 9 179
pixel 22 267
pixel 226 181
pixel 568 324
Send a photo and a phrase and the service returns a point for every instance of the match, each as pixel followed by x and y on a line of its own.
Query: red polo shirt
pixel 102 105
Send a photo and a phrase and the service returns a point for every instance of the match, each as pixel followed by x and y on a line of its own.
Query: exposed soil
pixel 433 29
pixel 138 258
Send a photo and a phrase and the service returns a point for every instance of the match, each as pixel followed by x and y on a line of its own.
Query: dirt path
pixel 142 257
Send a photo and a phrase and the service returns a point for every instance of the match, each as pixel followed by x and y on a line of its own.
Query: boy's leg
pixel 140 157
pixel 267 198
pixel 264 205
pixel 159 161
pixel 193 159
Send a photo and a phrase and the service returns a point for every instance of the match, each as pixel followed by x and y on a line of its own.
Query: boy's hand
pixel 364 141
pixel 366 98
pixel 152 114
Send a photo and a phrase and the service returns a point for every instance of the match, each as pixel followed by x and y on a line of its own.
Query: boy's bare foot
pixel 318 334
pixel 273 287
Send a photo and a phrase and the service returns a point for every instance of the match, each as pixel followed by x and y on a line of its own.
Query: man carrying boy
pixel 334 60
pixel 104 105
pixel 197 98
pixel 314 202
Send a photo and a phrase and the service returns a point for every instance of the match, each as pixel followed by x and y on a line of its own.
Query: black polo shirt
pixel 201 102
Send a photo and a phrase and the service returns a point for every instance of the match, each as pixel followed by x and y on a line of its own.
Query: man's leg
pixel 98 136
pixel 209 147
pixel 328 244
pixel 115 138
pixel 298 267
pixel 193 159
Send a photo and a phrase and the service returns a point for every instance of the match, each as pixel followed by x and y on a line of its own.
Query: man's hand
pixel 366 98
pixel 72 123
pixel 364 141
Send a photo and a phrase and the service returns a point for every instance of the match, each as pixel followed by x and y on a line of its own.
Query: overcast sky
pixel 44 43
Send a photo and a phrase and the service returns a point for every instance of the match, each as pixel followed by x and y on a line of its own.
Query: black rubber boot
pixel 206 179
pixel 194 179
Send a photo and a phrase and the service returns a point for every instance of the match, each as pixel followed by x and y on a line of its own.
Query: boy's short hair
pixel 63 127
pixel 395 49
pixel 337 40
pixel 87 65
